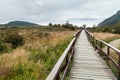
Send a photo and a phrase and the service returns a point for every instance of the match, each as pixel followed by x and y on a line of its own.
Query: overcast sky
pixel 78 12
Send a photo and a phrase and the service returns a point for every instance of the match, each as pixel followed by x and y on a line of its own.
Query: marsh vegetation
pixel 30 53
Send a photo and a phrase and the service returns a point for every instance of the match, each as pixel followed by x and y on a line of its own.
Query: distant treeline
pixel 49 27
pixel 110 29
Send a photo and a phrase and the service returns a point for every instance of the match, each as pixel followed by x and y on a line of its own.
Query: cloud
pixel 58 11
pixel 86 19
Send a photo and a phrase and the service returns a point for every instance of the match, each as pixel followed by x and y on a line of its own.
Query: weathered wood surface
pixel 88 65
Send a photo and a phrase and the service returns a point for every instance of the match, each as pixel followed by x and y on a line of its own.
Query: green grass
pixel 38 65
pixel 108 40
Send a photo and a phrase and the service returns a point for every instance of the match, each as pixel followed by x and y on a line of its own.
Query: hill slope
pixel 20 23
pixel 115 19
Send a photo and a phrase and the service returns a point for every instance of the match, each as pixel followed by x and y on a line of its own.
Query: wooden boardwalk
pixel 88 65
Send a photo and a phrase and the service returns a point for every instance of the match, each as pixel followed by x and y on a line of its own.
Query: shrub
pixel 117 31
pixel 43 34
pixel 14 39
pixel 3 48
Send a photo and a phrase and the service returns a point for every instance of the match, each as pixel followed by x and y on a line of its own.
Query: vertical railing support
pixel 119 68
pixel 67 59
pixel 100 45
pixel 96 45
pixel 93 40
pixel 108 53
pixel 108 50
pixel 58 77
pixel 72 52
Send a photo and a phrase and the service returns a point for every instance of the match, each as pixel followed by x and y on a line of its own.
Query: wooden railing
pixel 98 44
pixel 61 67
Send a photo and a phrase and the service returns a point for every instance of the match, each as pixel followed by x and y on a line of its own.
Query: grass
pixel 35 59
pixel 113 68
pixel 107 37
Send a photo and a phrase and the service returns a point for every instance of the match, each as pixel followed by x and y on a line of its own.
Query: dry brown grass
pixel 104 36
pixel 34 41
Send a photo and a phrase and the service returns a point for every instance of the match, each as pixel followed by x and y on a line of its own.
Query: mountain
pixel 115 19
pixel 20 23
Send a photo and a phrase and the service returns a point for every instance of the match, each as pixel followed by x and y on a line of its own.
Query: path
pixel 88 65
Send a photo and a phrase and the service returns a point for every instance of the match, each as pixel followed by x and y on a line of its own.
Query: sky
pixel 77 12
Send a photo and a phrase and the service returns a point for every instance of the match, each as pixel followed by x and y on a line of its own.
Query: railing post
pixel 93 40
pixel 96 44
pixel 72 53
pixel 108 50
pixel 119 68
pixel 58 77
pixel 100 45
pixel 108 53
pixel 67 59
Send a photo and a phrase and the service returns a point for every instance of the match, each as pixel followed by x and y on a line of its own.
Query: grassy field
pixel 107 37
pixel 35 55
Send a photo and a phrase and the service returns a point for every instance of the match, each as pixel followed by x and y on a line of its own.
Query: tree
pixel 84 26
pixel 15 39
pixel 50 24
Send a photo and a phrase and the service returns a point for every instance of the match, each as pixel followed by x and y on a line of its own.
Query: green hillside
pixel 115 19
pixel 20 23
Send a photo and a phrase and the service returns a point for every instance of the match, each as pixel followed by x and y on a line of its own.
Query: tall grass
pixel 107 37
pixel 35 59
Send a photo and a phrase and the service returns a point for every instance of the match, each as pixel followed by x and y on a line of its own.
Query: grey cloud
pixel 58 11
pixel 84 19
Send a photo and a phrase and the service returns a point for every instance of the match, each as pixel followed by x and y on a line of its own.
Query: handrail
pixel 59 63
pixel 98 45
pixel 66 56
pixel 117 50
pixel 77 33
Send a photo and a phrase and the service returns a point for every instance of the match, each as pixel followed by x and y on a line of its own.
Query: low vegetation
pixel 10 40
pixel 109 29
pixel 107 37
pixel 30 53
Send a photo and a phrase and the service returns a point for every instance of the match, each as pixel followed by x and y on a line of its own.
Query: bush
pixel 14 39
pixel 3 48
pixel 117 31
pixel 43 34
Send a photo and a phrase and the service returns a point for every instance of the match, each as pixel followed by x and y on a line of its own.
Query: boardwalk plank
pixel 88 65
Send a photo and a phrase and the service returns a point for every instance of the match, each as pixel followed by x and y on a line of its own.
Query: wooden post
pixel 100 45
pixel 67 57
pixel 108 53
pixel 58 77
pixel 72 52
pixel 108 50
pixel 93 40
pixel 119 68
pixel 96 42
